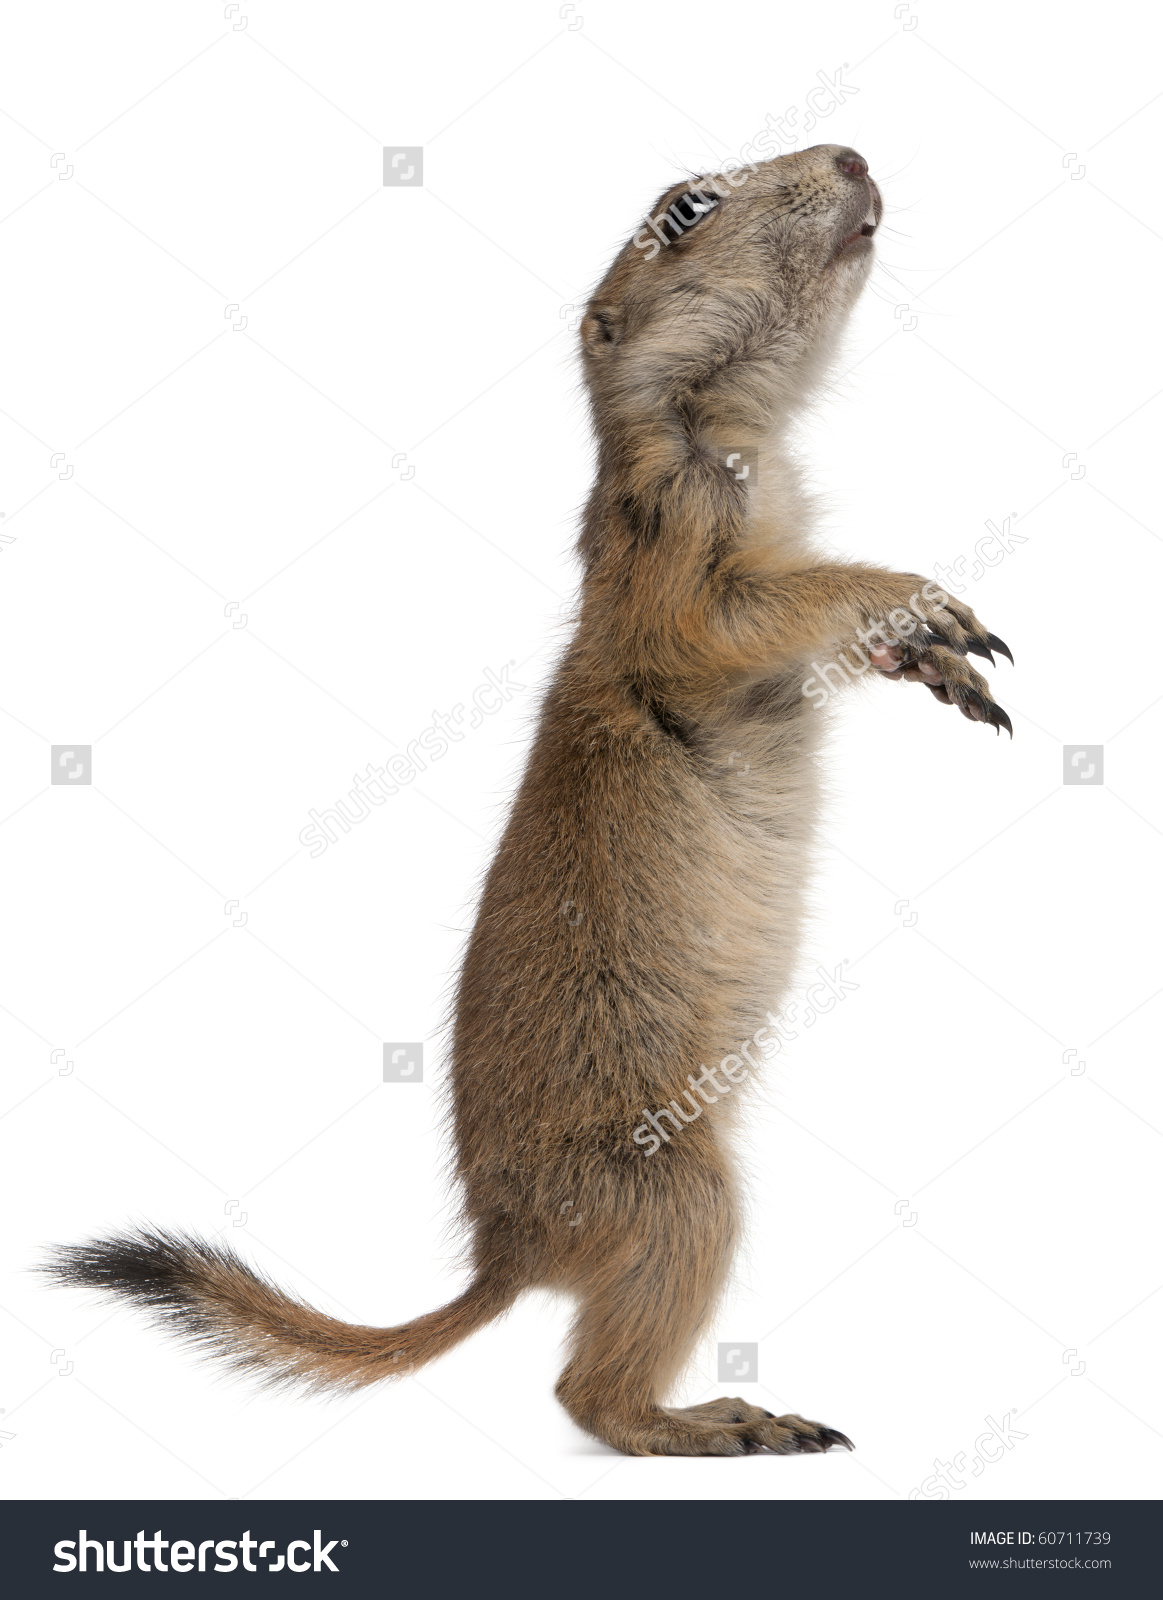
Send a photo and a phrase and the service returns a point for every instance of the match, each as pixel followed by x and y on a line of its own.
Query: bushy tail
pixel 207 1295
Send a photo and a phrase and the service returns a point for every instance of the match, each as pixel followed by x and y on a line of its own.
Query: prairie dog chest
pixel 764 774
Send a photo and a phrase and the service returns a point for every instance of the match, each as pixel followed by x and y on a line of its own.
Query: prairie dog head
pixel 726 305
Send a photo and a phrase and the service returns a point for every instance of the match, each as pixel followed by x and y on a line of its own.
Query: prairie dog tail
pixel 207 1295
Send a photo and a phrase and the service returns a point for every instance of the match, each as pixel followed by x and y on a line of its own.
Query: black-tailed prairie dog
pixel 642 914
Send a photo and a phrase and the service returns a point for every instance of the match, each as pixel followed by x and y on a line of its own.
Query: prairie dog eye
pixel 692 207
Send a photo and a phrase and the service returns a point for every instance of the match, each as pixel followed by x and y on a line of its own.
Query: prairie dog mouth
pixel 867 228
pixel 866 231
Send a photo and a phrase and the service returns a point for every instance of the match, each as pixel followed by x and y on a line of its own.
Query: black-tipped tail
pixel 206 1294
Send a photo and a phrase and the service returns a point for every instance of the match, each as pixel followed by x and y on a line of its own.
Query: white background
pixel 955 1175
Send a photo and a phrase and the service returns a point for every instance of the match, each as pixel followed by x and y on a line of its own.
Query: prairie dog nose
pixel 849 162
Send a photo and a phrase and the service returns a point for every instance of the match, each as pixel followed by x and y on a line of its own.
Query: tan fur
pixel 644 907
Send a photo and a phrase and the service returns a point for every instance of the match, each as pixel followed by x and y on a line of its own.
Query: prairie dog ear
pixel 602 326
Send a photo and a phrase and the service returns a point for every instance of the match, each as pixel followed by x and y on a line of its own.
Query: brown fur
pixel 644 906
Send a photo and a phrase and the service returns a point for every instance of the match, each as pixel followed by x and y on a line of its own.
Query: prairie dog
pixel 642 913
